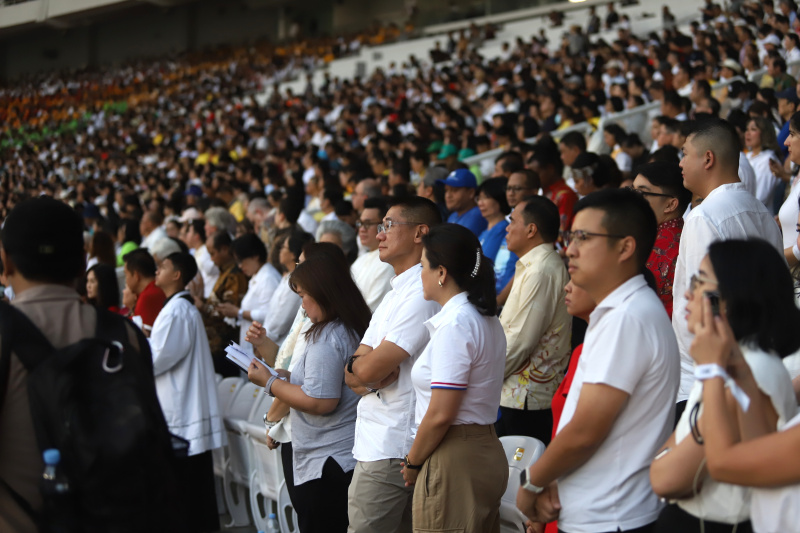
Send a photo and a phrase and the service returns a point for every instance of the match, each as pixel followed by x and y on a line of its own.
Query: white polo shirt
pixel 385 424
pixel 630 346
pixel 467 352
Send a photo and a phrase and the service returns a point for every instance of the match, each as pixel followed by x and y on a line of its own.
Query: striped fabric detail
pixel 451 386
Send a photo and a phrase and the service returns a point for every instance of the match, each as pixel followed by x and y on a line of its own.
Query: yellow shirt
pixel 538 330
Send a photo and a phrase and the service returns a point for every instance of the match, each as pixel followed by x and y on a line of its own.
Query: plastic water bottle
pixel 272 524
pixel 58 511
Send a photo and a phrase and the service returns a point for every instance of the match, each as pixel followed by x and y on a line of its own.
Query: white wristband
pixel 704 372
pixel 240 314
pixel 796 251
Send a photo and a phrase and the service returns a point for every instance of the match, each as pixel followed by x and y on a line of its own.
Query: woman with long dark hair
pixel 102 289
pixel 457 461
pixel 748 282
pixel 323 408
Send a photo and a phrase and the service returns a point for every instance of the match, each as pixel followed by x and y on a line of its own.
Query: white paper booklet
pixel 235 353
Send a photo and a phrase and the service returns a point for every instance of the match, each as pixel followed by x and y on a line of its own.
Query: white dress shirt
pixel 728 212
pixel 788 215
pixel 630 346
pixel 385 424
pixel 257 300
pixel 207 269
pixel 746 174
pixel 466 352
pixel 373 278
pixel 184 375
pixel 278 315
pixel 766 181
pixel 155 236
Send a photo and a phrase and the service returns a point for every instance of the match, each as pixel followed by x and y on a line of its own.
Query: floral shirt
pixel 560 194
pixel 663 258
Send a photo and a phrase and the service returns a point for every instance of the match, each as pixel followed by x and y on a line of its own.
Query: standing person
pixel 151 228
pixel 251 257
pixel 535 321
pixel 102 289
pixel 620 407
pixel 216 219
pixel 545 161
pixel 323 408
pixel 140 278
pixel 459 196
pixel 229 288
pixel 378 499
pixel 762 146
pixel 661 184
pixel 187 390
pixel 728 211
pixel 372 276
pixel 494 207
pixel 755 293
pixel 790 209
pixel 457 381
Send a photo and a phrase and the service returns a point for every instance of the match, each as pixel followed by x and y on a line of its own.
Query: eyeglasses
pixel 641 192
pixel 515 189
pixel 387 226
pixel 367 225
pixel 697 278
pixel 579 236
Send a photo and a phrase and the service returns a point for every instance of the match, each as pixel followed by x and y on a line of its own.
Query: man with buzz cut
pixel 595 474
pixel 378 499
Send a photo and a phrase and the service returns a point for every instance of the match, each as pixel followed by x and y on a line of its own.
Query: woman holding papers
pixel 323 407
pixel 457 461
pixel 748 282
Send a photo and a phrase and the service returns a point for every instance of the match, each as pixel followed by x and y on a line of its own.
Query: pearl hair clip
pixel 477 263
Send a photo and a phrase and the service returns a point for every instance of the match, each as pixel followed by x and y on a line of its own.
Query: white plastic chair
pixel 521 452
pixel 236 476
pixel 226 390
pixel 266 478
pixel 286 515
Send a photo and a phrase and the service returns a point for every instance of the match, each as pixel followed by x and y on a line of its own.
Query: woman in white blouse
pixel 457 461
pixel 762 146
pixel 750 281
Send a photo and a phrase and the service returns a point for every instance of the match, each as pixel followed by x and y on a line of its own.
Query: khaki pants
pixel 460 486
pixel 378 500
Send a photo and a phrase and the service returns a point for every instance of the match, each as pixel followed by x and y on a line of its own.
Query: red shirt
pixel 560 194
pixel 149 304
pixel 557 406
pixel 663 258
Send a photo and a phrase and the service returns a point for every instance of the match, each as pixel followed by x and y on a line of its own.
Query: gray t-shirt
pixel 320 373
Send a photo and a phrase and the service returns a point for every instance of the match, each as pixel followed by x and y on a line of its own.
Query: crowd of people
pixel 633 310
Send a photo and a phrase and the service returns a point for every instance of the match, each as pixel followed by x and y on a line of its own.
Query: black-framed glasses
pixel 644 193
pixel 360 224
pixel 387 226
pixel 579 236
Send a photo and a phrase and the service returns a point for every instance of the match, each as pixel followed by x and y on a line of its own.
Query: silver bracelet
pixel 268 386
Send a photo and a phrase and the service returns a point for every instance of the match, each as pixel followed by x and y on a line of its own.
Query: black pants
pixel 288 469
pixel 644 529
pixel 535 423
pixel 196 482
pixel 321 504
pixel 673 518
pixel 680 407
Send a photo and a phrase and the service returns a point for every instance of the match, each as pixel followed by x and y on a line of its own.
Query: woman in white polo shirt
pixel 754 289
pixel 457 461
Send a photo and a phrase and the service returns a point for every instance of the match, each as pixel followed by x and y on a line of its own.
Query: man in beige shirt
pixel 535 321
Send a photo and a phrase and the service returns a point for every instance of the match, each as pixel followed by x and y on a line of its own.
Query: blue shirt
pixel 491 239
pixel 504 266
pixel 472 220
pixel 784 133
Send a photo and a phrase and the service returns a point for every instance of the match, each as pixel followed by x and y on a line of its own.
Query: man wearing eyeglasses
pixel 380 370
pixel 594 475
pixel 372 276
pixel 661 184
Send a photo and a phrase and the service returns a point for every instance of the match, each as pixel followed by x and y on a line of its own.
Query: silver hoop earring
pixel 440 283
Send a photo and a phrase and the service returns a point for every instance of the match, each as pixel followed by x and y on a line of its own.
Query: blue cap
pixel 193 190
pixel 460 177
pixel 51 456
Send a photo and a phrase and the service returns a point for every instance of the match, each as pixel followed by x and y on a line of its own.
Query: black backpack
pixel 95 401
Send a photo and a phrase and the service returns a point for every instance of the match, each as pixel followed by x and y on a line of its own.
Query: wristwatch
pixel 350 363
pixel 410 466
pixel 525 483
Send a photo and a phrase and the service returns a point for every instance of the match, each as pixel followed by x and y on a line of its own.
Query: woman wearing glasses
pixel 661 184
pixel 457 461
pixel 746 281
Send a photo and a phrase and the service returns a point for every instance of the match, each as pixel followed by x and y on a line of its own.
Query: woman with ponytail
pixel 456 456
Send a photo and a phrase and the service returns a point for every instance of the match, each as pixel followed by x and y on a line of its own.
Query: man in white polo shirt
pixel 620 407
pixel 379 501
